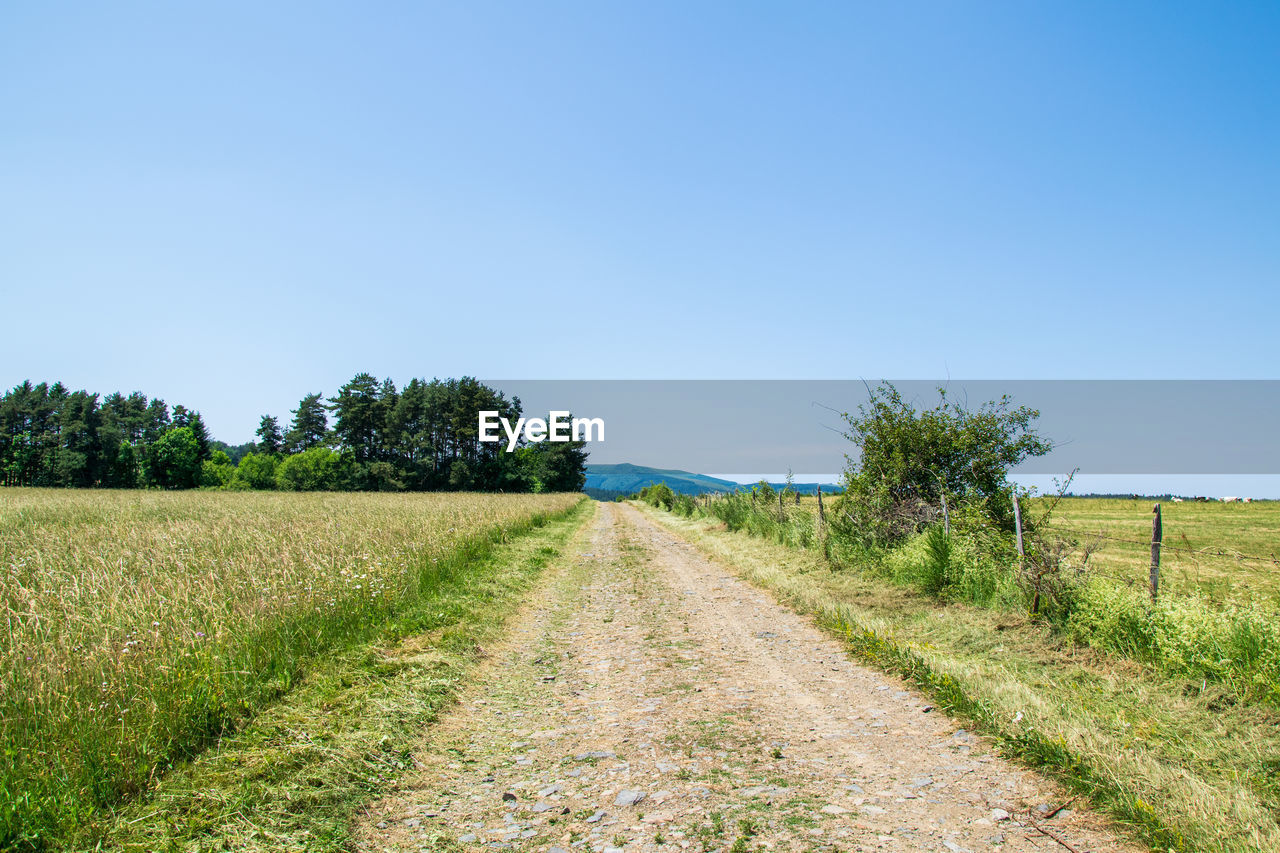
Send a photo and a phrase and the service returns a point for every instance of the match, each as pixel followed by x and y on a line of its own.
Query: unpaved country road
pixel 648 700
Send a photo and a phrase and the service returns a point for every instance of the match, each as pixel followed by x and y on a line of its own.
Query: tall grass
pixel 1233 644
pixel 140 627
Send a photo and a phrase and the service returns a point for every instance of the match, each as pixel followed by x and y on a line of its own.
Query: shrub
pixel 216 473
pixel 173 460
pixel 937 572
pixel 1054 574
pixel 257 471
pixel 314 470
pixel 908 460
pixel 659 495
pixel 684 505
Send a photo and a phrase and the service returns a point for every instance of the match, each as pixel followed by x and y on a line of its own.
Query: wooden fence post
pixel 946 515
pixel 1022 554
pixel 1017 522
pixel 822 518
pixel 782 511
pixel 1157 536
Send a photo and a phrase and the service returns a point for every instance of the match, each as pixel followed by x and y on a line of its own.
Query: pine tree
pixel 310 424
pixel 270 439
pixel 200 432
pixel 360 417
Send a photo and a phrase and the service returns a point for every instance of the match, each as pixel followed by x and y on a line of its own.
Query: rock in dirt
pixel 628 798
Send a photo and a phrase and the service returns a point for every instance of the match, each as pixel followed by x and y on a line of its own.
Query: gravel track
pixel 648 700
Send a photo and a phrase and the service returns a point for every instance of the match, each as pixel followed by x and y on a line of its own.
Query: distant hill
pixel 625 479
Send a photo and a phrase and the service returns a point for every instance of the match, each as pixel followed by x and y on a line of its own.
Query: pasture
pixel 1226 552
pixel 141 627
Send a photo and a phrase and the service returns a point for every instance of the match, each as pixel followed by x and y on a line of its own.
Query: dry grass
pixel 141 626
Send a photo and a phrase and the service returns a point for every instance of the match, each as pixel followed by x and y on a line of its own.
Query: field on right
pixel 1225 552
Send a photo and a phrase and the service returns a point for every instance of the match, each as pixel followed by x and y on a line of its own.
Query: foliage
pixel 659 495
pixel 270 439
pixel 193 422
pixel 966 564
pixel 1184 634
pixel 422 438
pixel 554 466
pixel 908 460
pixel 310 425
pixel 235 452
pixel 217 472
pixel 173 460
pixel 51 436
pixel 257 471
pixel 316 470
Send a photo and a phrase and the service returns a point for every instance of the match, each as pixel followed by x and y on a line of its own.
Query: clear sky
pixel 229 205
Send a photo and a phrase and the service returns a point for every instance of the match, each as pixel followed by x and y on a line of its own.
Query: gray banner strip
pixel 1098 426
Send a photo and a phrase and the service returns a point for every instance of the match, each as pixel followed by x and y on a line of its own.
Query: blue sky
pixel 230 205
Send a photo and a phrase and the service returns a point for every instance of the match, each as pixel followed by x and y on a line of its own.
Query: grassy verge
pixel 294 777
pixel 1184 765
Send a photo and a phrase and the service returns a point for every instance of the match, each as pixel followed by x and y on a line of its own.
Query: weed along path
pixel 647 700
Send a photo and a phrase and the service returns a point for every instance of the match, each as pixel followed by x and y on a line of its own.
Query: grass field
pixel 142 627
pixel 1228 552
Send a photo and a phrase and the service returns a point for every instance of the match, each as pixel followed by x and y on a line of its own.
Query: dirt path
pixel 648 700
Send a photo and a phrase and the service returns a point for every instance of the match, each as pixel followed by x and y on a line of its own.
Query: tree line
pixel 369 436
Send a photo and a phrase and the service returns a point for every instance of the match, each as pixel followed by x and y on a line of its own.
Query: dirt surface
pixel 649 700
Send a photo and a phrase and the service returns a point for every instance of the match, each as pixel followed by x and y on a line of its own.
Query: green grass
pixel 295 776
pixel 141 628
pixel 1206 550
pixel 1184 764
